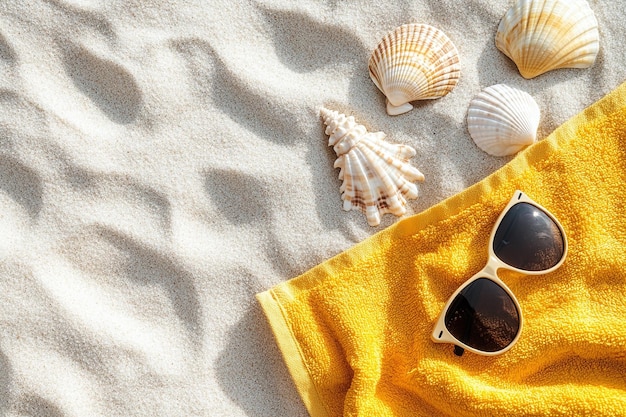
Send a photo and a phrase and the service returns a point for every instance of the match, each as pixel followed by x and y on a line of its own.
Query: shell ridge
pixel 344 132
pixel 346 189
pixel 571 48
pixel 528 18
pixel 527 10
pixel 492 111
pixel 570 44
pixel 398 157
pixel 384 186
pixel 383 171
pixel 396 179
pixel 543 29
pixel 395 48
pixel 522 104
pixel 400 171
pixel 405 50
pixel 514 104
pixel 441 79
pixel 390 49
pixel 533 56
pixel 490 116
pixel 391 148
pixel 492 122
pixel 356 190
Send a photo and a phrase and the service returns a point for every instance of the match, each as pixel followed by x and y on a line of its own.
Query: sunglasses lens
pixel 483 316
pixel 527 238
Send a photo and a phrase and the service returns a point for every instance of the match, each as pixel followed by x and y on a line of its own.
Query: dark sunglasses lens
pixel 483 316
pixel 527 238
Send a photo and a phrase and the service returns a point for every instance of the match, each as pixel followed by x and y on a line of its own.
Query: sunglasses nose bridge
pixel 493 264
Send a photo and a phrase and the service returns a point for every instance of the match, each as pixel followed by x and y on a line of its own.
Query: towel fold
pixel 355 330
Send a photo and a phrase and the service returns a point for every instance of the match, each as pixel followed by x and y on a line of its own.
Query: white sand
pixel 161 161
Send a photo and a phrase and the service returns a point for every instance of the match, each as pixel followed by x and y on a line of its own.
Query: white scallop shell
pixel 377 177
pixel 502 120
pixel 414 62
pixel 542 35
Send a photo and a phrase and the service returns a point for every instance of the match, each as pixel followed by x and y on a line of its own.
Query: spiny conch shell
pixel 414 62
pixel 377 177
pixel 502 120
pixel 542 35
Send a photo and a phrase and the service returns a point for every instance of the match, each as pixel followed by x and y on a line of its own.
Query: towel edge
pixel 291 354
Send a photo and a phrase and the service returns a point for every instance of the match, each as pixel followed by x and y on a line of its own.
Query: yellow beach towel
pixel 355 330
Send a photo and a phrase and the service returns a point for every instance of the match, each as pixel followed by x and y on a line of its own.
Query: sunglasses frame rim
pixel 447 337
pixel 441 334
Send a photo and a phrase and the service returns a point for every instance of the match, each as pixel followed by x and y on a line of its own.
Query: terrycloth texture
pixel 355 330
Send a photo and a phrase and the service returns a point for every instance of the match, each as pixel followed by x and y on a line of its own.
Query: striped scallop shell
pixel 502 120
pixel 542 35
pixel 414 62
pixel 377 177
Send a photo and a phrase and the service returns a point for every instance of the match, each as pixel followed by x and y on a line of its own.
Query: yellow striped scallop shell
pixel 542 35
pixel 414 62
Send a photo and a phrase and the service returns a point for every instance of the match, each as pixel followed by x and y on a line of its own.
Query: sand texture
pixel 161 161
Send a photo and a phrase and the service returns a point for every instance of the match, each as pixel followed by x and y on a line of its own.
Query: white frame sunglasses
pixel 493 291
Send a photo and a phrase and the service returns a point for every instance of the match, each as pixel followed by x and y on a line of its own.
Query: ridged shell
pixel 542 35
pixel 377 177
pixel 414 62
pixel 502 120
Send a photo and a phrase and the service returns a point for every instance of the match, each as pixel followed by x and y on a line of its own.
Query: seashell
pixel 414 62
pixel 542 35
pixel 502 120
pixel 377 177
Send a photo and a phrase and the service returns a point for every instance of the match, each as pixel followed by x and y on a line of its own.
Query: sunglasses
pixel 483 316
